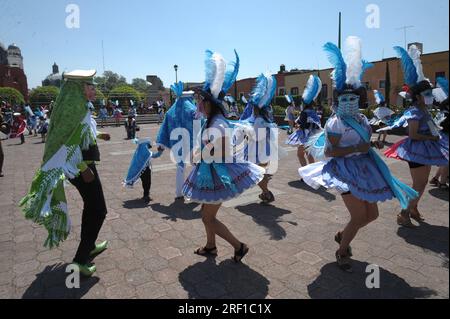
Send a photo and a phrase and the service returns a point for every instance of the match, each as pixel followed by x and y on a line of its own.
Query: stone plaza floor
pixel 151 247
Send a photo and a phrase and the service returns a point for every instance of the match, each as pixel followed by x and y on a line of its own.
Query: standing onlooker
pixel 103 115
pixel 160 113
pixel 2 156
pixel 43 128
pixel 130 127
pixel 118 115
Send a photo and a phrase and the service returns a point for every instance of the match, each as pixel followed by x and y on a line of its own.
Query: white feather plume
pixel 354 61
pixel 439 95
pixel 320 88
pixel 221 66
pixel 267 96
pixel 415 54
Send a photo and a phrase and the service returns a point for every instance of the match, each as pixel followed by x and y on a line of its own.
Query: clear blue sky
pixel 144 37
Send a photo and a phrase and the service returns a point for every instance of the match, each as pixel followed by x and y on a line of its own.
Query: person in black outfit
pixel 89 186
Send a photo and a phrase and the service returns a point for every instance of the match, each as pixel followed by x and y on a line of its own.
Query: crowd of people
pixel 236 152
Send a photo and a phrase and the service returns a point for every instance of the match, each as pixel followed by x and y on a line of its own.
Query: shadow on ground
pixel 333 283
pixel 135 204
pixel 207 280
pixel 269 217
pixel 429 237
pixel 321 192
pixel 177 210
pixel 51 284
pixel 439 194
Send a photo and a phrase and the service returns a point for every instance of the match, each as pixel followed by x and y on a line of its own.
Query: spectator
pixel 43 127
pixel 130 127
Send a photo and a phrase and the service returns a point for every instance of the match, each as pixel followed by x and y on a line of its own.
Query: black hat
pixel 421 87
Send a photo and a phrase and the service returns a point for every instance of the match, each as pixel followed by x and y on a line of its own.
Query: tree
pixel 11 96
pixel 124 94
pixel 99 97
pixel 387 89
pixel 141 85
pixel 109 81
pixel 43 95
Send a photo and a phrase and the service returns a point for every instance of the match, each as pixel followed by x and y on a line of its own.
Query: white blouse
pixel 349 137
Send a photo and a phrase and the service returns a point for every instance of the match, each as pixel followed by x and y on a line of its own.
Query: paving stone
pixel 150 252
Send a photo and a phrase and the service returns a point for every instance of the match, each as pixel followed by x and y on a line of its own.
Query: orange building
pixel 434 65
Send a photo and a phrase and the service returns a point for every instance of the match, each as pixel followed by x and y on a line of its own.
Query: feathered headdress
pixel 441 92
pixel 229 99
pixel 289 99
pixel 443 84
pixel 366 66
pixel 177 89
pixel 379 98
pixel 264 90
pixel 312 90
pixel 218 79
pixel 412 69
pixel 348 71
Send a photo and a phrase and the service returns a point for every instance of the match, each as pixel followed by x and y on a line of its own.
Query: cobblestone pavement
pixel 151 248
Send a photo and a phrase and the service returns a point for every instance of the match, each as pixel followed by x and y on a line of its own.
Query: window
pixel 281 91
pixel 382 84
pixel 324 93
pixel 294 91
pixel 367 85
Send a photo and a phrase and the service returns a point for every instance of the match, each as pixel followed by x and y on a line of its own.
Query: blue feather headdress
pixel 443 84
pixel 312 90
pixel 177 89
pixel 366 66
pixel 264 90
pixel 379 98
pixel 409 69
pixel 229 99
pixel 218 79
pixel 441 92
pixel 348 72
pixel 289 99
pixel 339 75
pixel 412 69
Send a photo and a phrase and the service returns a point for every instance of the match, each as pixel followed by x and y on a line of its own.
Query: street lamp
pixel 176 73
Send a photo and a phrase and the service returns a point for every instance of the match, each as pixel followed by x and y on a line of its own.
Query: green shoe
pixel 99 248
pixel 86 270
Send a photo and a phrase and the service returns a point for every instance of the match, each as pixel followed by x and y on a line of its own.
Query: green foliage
pixel 281 100
pixel 279 110
pixel 99 97
pixel 44 95
pixel 141 85
pixel 11 95
pixel 109 81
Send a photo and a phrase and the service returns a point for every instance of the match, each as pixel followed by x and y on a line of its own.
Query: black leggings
pixel 413 165
pixel 146 179
pixel 94 214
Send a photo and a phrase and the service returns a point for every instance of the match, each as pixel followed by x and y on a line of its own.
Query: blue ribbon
pixel 401 191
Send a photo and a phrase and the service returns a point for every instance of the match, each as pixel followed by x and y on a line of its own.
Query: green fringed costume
pixel 71 131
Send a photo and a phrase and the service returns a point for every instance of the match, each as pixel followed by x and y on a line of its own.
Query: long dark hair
pixel 215 110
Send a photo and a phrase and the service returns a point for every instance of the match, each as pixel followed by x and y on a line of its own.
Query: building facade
pixel 11 69
pixel 434 65
pixel 293 82
pixel 54 79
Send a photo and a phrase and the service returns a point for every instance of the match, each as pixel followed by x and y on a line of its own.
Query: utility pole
pixel 405 28
pixel 340 31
